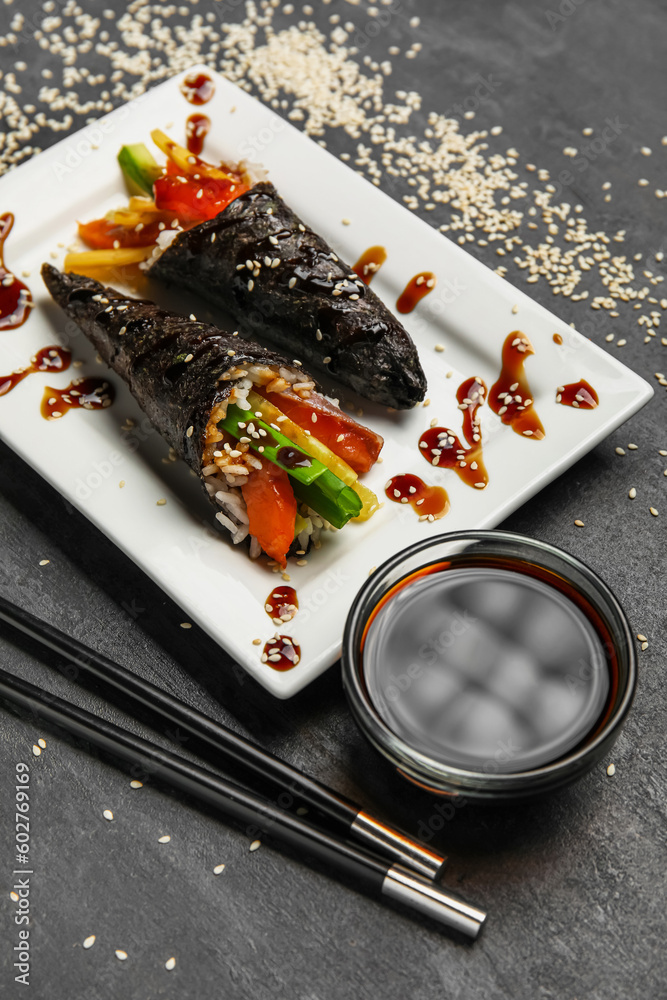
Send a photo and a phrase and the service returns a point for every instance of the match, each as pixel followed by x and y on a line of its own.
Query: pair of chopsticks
pixel 383 861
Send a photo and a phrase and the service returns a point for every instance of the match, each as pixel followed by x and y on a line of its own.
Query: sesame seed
pixel 161 502
pixel 292 282
pixel 439 347
pixel 186 625
pixel 218 870
pixel 633 493
pixel 42 744
pixel 189 431
pixel 36 750
pixel 164 840
pixel 632 447
pixel 89 942
pixel 642 638
pixel 44 562
pixel 136 784
pixel 611 770
pixel 121 484
pixel 620 451
pixel 108 814
pixel 255 845
pixel 170 964
pixel 579 524
pixel 653 511
pixel 121 955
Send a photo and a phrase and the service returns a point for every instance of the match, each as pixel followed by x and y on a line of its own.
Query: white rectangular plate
pixel 85 455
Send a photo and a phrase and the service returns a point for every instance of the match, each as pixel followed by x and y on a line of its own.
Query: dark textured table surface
pixel 574 885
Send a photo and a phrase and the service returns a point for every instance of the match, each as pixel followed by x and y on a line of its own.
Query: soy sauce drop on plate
pixel 82 393
pixel 49 359
pixel 370 263
pixel 281 653
pixel 496 682
pixel 442 448
pixel 198 88
pixel 281 605
pixel 197 128
pixel 15 297
pixel 415 290
pixel 426 501
pixel 581 395
pixel 511 396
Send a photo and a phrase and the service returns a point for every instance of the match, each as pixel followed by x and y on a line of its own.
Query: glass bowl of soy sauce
pixel 488 664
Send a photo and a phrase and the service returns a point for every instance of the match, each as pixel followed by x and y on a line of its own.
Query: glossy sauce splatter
pixel 281 653
pixel 510 397
pixel 49 359
pixel 197 128
pixel 281 605
pixel 198 89
pixel 441 447
pixel 82 393
pixel 580 394
pixel 415 290
pixel 370 263
pixel 292 458
pixel 15 297
pixel 425 500
pixel 557 339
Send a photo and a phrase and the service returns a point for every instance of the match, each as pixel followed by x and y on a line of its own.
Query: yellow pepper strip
pixel 185 160
pixel 123 217
pixel 369 500
pixel 106 258
pixel 316 449
pixel 138 204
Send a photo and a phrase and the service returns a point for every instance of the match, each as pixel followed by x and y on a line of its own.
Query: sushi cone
pixel 189 377
pixel 282 281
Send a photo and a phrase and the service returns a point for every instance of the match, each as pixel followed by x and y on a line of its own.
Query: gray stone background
pixel 574 885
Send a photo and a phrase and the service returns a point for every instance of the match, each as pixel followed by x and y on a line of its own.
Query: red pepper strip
pixel 195 200
pixel 357 445
pixel 103 235
pixel 271 508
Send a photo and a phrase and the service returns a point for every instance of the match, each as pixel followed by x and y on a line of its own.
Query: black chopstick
pixel 357 823
pixel 370 873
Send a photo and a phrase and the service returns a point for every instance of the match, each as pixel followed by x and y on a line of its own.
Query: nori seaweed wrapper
pixel 147 346
pixel 369 350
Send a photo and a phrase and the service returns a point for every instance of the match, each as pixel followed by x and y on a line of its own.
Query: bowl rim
pixel 435 775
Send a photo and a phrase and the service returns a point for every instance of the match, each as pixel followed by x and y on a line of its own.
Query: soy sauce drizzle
pixel 430 502
pixel 49 359
pixel 415 290
pixel 370 263
pixel 580 394
pixel 82 393
pixel 281 653
pixel 511 397
pixel 15 297
pixel 198 89
pixel 442 448
pixel 197 128
pixel 281 605
pixel 292 458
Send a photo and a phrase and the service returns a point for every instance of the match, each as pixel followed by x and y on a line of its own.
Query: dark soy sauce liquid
pixel 486 669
